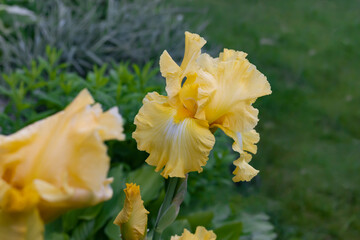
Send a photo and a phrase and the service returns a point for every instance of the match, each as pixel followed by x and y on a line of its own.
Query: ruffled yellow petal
pixel 243 141
pixel 55 200
pixel 229 55
pixel 63 155
pixel 111 125
pixel 204 234
pixel 243 171
pixel 133 217
pixel 250 138
pixel 200 234
pixel 193 45
pixel 180 145
pixel 172 72
pixel 238 84
pixel 25 225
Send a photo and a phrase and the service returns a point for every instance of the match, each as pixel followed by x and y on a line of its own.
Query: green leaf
pixel 112 231
pixel 200 219
pixel 222 212
pixel 176 228
pixel 18 14
pixel 229 231
pixel 4 91
pixel 113 206
pixel 37 116
pixel 70 219
pixel 150 182
pixel 83 231
pixel 168 217
pixel 257 226
pixel 58 236
pixel 54 227
pixel 105 99
pixel 91 212
pixel 49 98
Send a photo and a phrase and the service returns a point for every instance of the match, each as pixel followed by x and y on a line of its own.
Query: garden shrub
pixel 90 32
pixel 32 93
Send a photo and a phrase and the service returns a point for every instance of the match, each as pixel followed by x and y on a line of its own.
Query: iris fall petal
pixel 179 145
pixel 244 171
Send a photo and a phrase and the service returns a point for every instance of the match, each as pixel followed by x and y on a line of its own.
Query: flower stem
pixel 169 195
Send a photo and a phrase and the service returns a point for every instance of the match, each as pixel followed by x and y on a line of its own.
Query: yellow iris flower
pixel 55 164
pixel 132 219
pixel 203 94
pixel 200 234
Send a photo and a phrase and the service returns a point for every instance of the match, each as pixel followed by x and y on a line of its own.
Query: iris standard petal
pixel 172 72
pixel 238 84
pixel 177 144
pixel 196 92
pixel 193 45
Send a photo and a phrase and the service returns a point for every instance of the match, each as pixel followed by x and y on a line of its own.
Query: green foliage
pixel 32 93
pixel 14 15
pixel 229 231
pixel 150 182
pixel 177 228
pixel 202 218
pixel 257 227
pixel 91 32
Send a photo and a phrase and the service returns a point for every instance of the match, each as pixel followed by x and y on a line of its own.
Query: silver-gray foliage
pixel 92 32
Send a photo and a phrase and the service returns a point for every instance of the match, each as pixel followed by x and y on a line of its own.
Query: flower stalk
pixel 169 195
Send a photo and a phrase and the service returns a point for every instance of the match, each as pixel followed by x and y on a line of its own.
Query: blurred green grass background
pixel 310 135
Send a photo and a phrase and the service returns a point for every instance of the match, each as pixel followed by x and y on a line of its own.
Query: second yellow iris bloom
pixel 54 165
pixel 203 94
